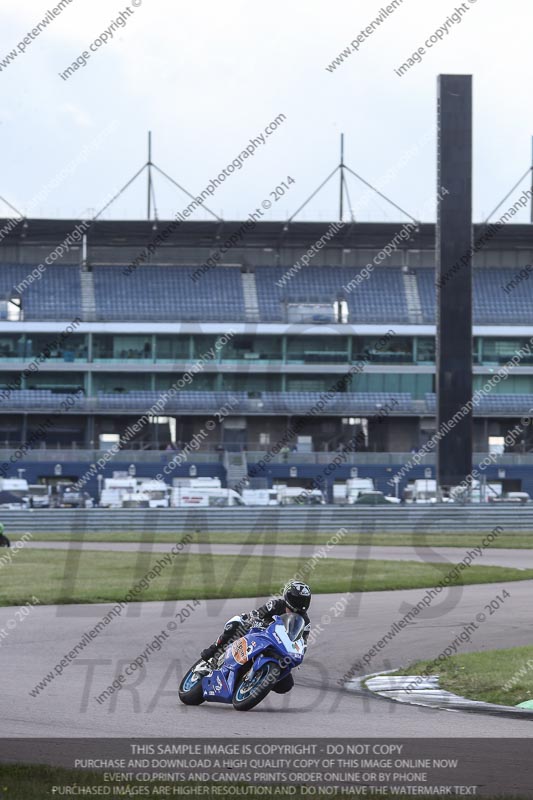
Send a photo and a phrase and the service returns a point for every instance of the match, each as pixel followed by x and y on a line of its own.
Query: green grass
pixel 506 539
pixel 483 676
pixel 33 782
pixel 68 576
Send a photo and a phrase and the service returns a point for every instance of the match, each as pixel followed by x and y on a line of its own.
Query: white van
pixel 190 496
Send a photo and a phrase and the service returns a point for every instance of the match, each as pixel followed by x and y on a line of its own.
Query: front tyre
pixel 190 691
pixel 254 687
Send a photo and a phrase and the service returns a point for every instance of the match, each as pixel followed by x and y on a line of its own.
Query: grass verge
pixel 493 676
pixel 69 576
pixel 510 540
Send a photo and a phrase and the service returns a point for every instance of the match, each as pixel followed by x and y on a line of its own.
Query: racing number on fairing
pixel 239 651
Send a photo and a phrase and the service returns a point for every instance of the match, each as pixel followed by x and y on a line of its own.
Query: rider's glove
pixel 251 619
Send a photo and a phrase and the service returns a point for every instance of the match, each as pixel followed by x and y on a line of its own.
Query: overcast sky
pixel 206 77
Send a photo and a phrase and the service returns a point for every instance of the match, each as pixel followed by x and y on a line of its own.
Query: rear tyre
pixel 254 688
pixel 190 691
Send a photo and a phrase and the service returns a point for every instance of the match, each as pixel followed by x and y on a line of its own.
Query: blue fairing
pixel 252 652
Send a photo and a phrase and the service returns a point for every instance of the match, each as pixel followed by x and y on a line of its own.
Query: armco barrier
pixel 324 519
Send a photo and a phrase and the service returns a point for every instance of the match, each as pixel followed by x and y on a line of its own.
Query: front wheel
pixel 190 691
pixel 254 687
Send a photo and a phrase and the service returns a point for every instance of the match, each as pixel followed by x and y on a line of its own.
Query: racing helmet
pixel 297 596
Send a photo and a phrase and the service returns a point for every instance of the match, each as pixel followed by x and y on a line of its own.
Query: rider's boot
pixel 230 632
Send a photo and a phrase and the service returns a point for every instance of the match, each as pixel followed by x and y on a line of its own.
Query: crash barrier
pixel 324 519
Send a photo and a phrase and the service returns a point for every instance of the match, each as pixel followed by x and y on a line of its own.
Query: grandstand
pixel 141 329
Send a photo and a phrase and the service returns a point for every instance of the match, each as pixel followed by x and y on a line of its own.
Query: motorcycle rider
pixel 296 598
pixel 4 541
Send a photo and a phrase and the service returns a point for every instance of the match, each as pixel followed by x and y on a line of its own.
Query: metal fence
pixel 212 455
pixel 323 519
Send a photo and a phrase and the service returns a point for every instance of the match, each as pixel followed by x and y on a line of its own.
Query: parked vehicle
pixel 512 497
pixel 297 495
pixel 114 491
pixel 39 495
pixel 347 493
pixel 66 495
pixel 422 490
pixel 373 499
pixel 202 498
pixel 260 497
pixel 147 494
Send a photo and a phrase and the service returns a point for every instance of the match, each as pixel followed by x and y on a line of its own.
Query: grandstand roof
pixel 265 234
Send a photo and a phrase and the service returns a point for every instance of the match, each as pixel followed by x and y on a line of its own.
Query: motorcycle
pixel 250 666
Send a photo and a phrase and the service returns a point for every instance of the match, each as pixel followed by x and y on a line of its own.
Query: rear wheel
pixel 254 687
pixel 190 691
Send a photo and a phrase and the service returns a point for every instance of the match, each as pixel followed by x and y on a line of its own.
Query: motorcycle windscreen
pixel 294 625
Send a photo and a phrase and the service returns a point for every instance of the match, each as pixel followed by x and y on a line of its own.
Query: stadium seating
pixel 506 404
pixel 426 291
pixel 266 402
pixel 169 293
pixel 380 298
pixel 492 304
pixel 56 295
pixel 155 292
pixel 349 403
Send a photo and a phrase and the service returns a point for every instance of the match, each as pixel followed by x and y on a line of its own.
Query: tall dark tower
pixel 454 276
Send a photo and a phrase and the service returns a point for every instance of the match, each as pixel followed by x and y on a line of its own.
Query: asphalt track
pixel 517 558
pixel 318 705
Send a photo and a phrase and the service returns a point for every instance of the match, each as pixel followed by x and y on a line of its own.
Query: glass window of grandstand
pixel 499 351
pixel 425 350
pixel 72 348
pixel 253 348
pixel 202 344
pixel 122 347
pixel 313 383
pixel 317 349
pixel 122 383
pixel 201 382
pixel 11 380
pixel 251 384
pixel 57 382
pixel 12 346
pixel 415 385
pixel 476 350
pixel 514 386
pixel 173 348
pixel 394 350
